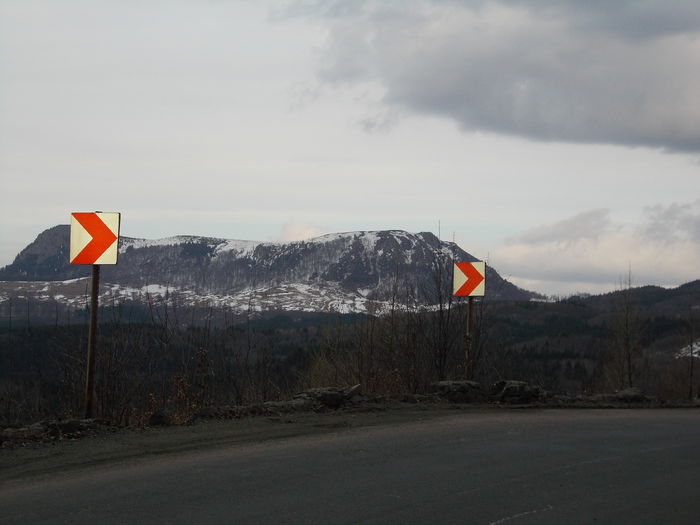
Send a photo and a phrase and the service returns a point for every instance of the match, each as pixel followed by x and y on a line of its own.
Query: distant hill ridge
pixel 344 271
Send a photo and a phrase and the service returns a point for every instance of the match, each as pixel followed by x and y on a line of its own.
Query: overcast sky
pixel 558 140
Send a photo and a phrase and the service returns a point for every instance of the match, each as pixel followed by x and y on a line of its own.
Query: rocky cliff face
pixel 344 271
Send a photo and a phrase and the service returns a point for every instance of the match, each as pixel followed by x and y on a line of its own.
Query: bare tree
pixel 692 357
pixel 625 338
pixel 441 329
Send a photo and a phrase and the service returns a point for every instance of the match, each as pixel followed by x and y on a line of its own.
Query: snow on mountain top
pixel 368 237
pixel 222 245
pixel 130 242
pixel 369 240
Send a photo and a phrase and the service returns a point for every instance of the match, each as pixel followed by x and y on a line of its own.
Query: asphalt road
pixel 520 467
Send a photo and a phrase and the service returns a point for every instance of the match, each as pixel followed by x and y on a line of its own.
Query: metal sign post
pixel 469 279
pixel 93 240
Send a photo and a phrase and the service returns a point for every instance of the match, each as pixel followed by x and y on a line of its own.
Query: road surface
pixel 508 466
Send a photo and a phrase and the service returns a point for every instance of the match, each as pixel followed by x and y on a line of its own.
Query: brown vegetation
pixel 575 346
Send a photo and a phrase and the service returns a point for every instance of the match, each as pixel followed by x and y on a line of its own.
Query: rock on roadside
pixel 49 431
pixel 460 391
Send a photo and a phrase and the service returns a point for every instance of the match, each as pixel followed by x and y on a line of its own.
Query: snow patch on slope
pixel 130 242
pixel 286 297
pixel 240 248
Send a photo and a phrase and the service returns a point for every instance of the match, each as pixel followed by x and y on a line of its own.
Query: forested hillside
pixel 191 358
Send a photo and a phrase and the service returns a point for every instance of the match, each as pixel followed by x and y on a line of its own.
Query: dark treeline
pixel 143 366
pixel 180 361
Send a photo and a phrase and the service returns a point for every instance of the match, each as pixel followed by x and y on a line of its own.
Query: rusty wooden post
pixel 92 343
pixel 468 362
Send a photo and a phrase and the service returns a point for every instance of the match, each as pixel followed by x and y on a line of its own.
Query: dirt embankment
pixel 52 447
pixel 106 446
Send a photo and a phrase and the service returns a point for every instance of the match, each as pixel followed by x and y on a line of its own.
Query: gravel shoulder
pixel 49 449
pixel 110 447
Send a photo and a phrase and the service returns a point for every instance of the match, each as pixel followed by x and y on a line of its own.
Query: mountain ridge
pixel 350 268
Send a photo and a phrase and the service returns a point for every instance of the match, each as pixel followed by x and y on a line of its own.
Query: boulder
pixel 29 433
pixel 159 418
pixel 631 395
pixel 352 391
pixel 460 391
pixel 68 427
pixel 328 397
pixel 301 404
pixel 516 392
pixel 208 412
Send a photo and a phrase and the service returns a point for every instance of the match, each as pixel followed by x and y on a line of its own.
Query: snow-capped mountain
pixel 345 272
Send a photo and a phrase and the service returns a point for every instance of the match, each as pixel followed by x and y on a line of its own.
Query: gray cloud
pixel 633 19
pixel 624 72
pixel 673 223
pixel 587 225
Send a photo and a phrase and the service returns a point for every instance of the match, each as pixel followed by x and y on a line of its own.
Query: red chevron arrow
pixel 474 279
pixel 102 238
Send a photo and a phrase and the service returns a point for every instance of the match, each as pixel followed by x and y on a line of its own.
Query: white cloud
pixel 297 232
pixel 548 260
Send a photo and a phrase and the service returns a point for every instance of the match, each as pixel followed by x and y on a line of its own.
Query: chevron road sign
pixel 94 238
pixel 469 279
